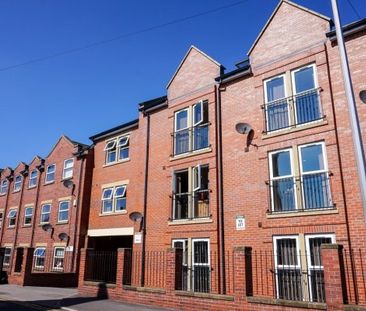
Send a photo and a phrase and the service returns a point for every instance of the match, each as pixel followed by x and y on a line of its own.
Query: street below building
pixel 18 298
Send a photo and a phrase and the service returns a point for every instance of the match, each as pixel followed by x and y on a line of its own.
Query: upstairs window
pixel 191 129
pixel 50 173
pixel 12 218
pixel 299 182
pixel 292 99
pixel 68 169
pixel 33 179
pixel 45 213
pixel 4 186
pixel 117 149
pixel 191 193
pixel 114 199
pixel 18 183
pixel 7 256
pixel 63 211
pixel 28 214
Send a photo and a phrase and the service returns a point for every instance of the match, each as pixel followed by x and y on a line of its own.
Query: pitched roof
pixel 149 104
pixel 192 47
pixel 72 142
pixel 348 29
pixel 115 130
pixel 274 13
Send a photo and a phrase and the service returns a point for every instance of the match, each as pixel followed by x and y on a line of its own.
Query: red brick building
pixel 44 215
pixel 244 174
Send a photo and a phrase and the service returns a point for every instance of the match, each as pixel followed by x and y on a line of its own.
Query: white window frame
pixel 66 210
pixel 12 217
pixel 297 266
pixel 18 184
pixel 7 255
pixel 199 104
pixel 109 198
pixel 120 147
pixel 49 173
pixel 32 179
pixel 112 148
pixel 28 215
pixel 65 169
pixel 113 197
pixel 196 172
pixel 316 86
pixel 45 213
pixel 270 102
pixel 208 264
pixel 282 177
pixel 188 120
pixel 54 259
pixel 37 256
pixel 4 186
pixel 325 170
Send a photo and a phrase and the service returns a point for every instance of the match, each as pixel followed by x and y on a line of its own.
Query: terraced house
pixel 44 215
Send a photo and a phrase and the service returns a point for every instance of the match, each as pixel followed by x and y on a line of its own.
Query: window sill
pixel 324 211
pixel 15 191
pixel 12 227
pixel 68 178
pixel 113 213
pixel 2 194
pixel 287 303
pixel 43 223
pixel 62 223
pixel 117 162
pixel 189 221
pixel 49 183
pixel 32 187
pixel 27 226
pixel 297 128
pixel 190 154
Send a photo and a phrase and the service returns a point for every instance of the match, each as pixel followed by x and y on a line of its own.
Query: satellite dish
pixel 363 96
pixel 135 216
pixel 68 183
pixel 243 128
pixel 63 236
pixel 47 227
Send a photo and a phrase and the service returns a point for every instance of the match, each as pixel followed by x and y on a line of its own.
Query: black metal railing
pixel 314 193
pixel 101 266
pixel 51 261
pixel 155 268
pixel 287 276
pixel 191 139
pixel 293 111
pixel 191 205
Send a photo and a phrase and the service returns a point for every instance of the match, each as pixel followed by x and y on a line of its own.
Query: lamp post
pixel 352 110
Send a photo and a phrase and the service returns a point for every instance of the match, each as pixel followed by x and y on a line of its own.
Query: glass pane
pixel 281 164
pixel 181 141
pixel 120 204
pixel 64 206
pixel 107 205
pixel 200 137
pixel 277 115
pixel 111 156
pixel 46 208
pixel 197 114
pixel 312 158
pixel 275 89
pixel 304 79
pixel 286 252
pixel 314 244
pixel 107 194
pixel 200 252
pixel 124 153
pixel 316 190
pixel 181 120
pixel 120 191
pixel 69 163
pixel 289 284
pixel 123 141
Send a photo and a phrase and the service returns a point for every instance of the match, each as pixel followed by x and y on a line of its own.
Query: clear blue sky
pixel 82 93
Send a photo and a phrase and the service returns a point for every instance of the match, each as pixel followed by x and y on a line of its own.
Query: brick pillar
pixel 170 269
pixel 27 266
pixel 330 254
pixel 82 265
pixel 120 268
pixel 242 272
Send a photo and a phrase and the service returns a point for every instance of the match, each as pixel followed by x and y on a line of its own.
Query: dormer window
pixel 50 173
pixel 4 186
pixel 33 179
pixel 18 183
pixel 117 149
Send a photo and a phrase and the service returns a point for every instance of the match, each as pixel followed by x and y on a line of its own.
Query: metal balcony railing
pixel 306 192
pixel 293 111
pixel 191 205
pixel 191 139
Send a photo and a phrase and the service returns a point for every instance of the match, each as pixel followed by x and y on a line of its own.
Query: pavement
pixel 18 298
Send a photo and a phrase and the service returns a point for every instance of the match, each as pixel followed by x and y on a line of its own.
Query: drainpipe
pixel 9 178
pixel 143 254
pixel 220 191
pixel 40 169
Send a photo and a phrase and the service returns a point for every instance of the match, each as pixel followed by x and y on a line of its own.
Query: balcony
pixel 304 193
pixel 293 111
pixel 191 139
pixel 187 206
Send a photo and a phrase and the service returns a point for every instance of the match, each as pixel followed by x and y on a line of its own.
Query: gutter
pixel 348 30
pixel 231 76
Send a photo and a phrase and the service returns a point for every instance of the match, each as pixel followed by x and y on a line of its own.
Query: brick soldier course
pixel 236 190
